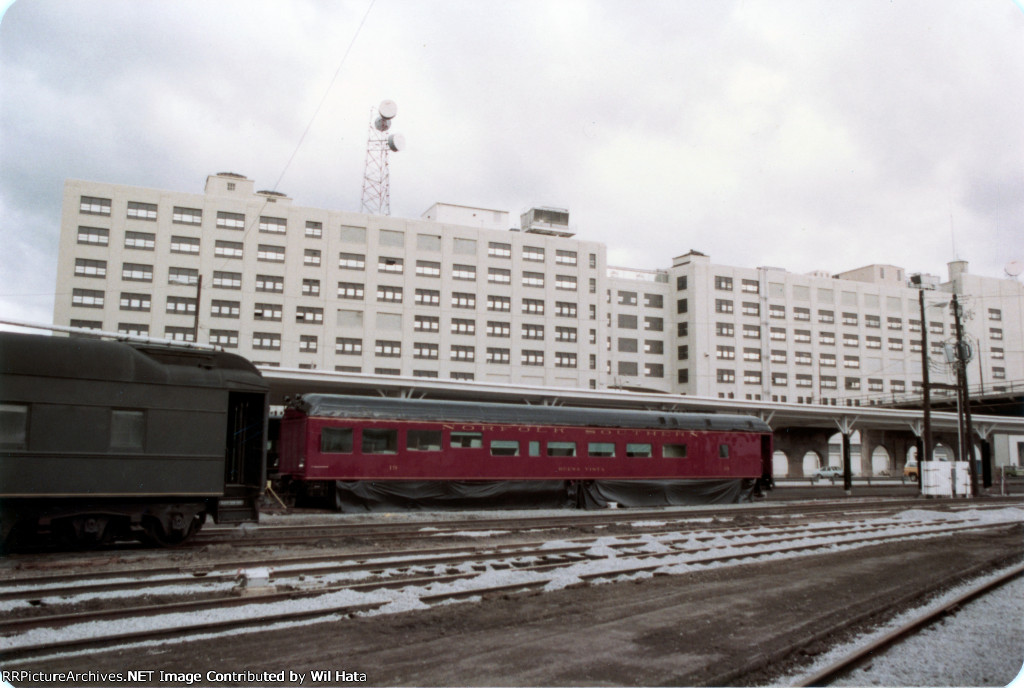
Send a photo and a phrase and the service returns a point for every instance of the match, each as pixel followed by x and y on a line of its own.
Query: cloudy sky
pixel 802 134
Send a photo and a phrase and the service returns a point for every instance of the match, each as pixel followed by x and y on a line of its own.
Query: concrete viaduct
pixel 798 428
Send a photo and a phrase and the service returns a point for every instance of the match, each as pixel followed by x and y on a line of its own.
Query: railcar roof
pixel 88 358
pixel 386 408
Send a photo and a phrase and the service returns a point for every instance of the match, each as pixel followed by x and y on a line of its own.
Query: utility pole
pixel 926 432
pixel 195 321
pixel 963 355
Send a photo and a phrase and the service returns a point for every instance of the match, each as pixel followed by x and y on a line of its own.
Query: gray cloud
pixel 799 134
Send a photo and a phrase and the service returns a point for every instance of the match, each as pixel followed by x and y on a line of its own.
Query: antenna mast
pixel 376 174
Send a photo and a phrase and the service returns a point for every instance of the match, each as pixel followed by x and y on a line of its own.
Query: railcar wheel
pixel 177 531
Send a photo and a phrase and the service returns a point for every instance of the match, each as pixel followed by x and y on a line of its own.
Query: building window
pixel 225 309
pixel 751 331
pixel 180 244
pixel 226 338
pixel 427 297
pixel 533 306
pixel 500 356
pixel 464 272
pixel 309 314
pixel 751 377
pixel 874 321
pixel 827 317
pixel 227 280
pixel 531 331
pixel 137 272
pixel 311 287
pixel 133 329
pixel 269 253
pixel 725 353
pixel 90 205
pixel 827 360
pixel 87 324
pixel 564 309
pixel 314 230
pixel 533 279
pixel 87 298
pixel 627 322
pixel 311 257
pixel 533 253
pixel 530 357
pixel 308 343
pixel 566 282
pixel 995 314
pixel 266 341
pixel 803 336
pixel 461 352
pixel 499 276
pixel 392 265
pixel 751 354
pixel 142 211
pixel 498 329
pixel 723 283
pixel 681 283
pixel 142 241
pixel 187 276
pixel 268 311
pixel 350 290
pixel 187 216
pixel 181 304
pixel 273 225
pixel 179 334
pixel 348 347
pixel 428 268
pixel 463 300
pixel 565 334
pixel 725 329
pixel 84 267
pixel 423 350
pixel 227 220
pixel 426 323
pixel 801 313
pixel 499 303
pixel 389 294
pixel 387 348
pixel 565 359
pixel 750 286
pixel 96 236
pixel 723 306
pixel 135 302
pixel 227 249
pixel 497 249
pixel 851 362
pixel 463 326
pixel 750 308
pixel 270 283
pixel 778 356
pixel 725 375
pixel 352 261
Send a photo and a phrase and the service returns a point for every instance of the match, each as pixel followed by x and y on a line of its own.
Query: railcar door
pixel 244 455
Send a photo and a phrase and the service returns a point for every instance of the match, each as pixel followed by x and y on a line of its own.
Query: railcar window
pixel 534 448
pixel 380 441
pixel 504 447
pixel 638 449
pixel 127 429
pixel 13 425
pixel 673 451
pixel 601 449
pixel 723 451
pixel 336 440
pixel 467 440
pixel 561 449
pixel 423 440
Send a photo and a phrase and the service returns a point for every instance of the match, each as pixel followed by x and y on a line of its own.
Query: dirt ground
pixel 738 625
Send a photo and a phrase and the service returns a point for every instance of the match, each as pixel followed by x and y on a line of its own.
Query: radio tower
pixel 379 144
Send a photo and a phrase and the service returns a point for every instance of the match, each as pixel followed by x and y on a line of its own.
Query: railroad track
pixel 285 534
pixel 304 589
pixel 864 652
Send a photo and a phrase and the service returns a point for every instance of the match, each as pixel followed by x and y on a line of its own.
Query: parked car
pixel 911 471
pixel 830 472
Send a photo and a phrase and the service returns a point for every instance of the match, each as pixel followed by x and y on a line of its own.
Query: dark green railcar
pixel 106 440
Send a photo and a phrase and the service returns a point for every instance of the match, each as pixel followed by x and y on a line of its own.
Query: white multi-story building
pixel 456 294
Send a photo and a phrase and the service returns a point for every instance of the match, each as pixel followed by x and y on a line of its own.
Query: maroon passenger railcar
pixel 328 438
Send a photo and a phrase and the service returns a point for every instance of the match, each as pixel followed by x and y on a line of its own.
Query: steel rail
pixel 859 655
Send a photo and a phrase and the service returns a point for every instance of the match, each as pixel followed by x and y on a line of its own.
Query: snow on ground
pixel 981 645
pixel 613 563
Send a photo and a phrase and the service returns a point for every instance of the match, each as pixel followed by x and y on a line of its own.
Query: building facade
pixel 458 295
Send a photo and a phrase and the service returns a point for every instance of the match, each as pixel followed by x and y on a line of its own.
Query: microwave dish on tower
pixel 1014 268
pixel 376 198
